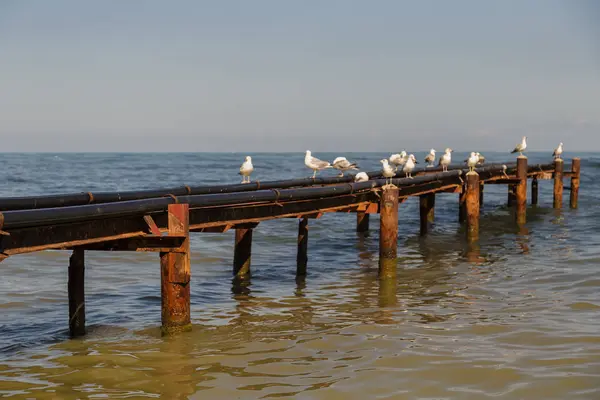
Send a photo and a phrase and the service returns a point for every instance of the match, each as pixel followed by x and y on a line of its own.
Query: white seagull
pixel 409 165
pixel 472 161
pixel 246 169
pixel 446 159
pixel 398 159
pixel 387 171
pixel 341 164
pixel 361 177
pixel 520 148
pixel 430 158
pixel 558 151
pixel 314 163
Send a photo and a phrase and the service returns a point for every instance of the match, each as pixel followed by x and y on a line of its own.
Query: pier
pixel 161 220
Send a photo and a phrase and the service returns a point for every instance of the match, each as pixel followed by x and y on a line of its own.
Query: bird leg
pixel 314 173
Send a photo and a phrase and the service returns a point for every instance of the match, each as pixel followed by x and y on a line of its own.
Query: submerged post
pixel 462 206
pixel 426 211
pixel 362 222
pixel 576 170
pixel 512 197
pixel 388 232
pixel 472 206
pixel 175 274
pixel 558 182
pixel 521 190
pixel 302 256
pixel 534 191
pixel 77 293
pixel 242 252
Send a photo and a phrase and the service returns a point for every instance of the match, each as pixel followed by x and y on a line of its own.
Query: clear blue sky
pixel 278 75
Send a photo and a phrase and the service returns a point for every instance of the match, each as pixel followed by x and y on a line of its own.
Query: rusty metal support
pixel 576 173
pixel 77 293
pixel 534 191
pixel 472 206
pixel 558 182
pixel 426 211
pixel 302 256
pixel 242 253
pixel 362 222
pixel 175 274
pixel 388 232
pixel 521 190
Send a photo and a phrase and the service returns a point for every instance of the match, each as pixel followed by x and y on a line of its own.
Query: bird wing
pixel 320 163
pixel 517 149
pixel 430 157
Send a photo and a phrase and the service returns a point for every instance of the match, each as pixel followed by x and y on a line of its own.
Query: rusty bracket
pixel 152 225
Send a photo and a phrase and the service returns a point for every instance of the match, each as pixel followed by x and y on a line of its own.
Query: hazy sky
pixel 279 75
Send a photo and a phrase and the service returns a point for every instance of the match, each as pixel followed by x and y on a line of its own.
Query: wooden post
pixel 175 274
pixel 472 206
pixel 242 252
pixel 362 222
pixel 558 182
pixel 512 197
pixel 302 256
pixel 388 232
pixel 462 207
pixel 77 293
pixel 521 190
pixel 534 191
pixel 427 211
pixel 576 169
pixel 481 194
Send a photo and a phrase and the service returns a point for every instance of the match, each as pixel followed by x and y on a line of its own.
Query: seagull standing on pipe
pixel 246 169
pixel 409 166
pixel 472 161
pixel 387 171
pixel 398 159
pixel 314 163
pixel 341 164
pixel 446 159
pixel 558 151
pixel 430 158
pixel 361 177
pixel 520 148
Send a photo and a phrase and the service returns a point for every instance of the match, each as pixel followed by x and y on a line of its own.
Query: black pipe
pixel 69 200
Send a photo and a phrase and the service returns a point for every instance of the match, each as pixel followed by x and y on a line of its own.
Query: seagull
pixel 472 161
pixel 558 151
pixel 314 163
pixel 430 158
pixel 398 159
pixel 409 166
pixel 446 159
pixel 387 171
pixel 481 158
pixel 361 177
pixel 520 148
pixel 246 169
pixel 342 165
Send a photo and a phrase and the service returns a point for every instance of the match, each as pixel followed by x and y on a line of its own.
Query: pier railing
pixel 161 220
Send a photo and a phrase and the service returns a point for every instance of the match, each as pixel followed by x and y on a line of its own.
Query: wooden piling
pixel 521 190
pixel 362 222
pixel 426 211
pixel 175 274
pixel 302 256
pixel 242 253
pixel 534 191
pixel 472 206
pixel 558 182
pixel 512 197
pixel 462 207
pixel 77 293
pixel 576 170
pixel 388 232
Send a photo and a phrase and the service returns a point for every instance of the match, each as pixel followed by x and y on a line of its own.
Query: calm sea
pixel 515 317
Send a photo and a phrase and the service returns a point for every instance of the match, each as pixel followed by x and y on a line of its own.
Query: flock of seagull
pixel 403 161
